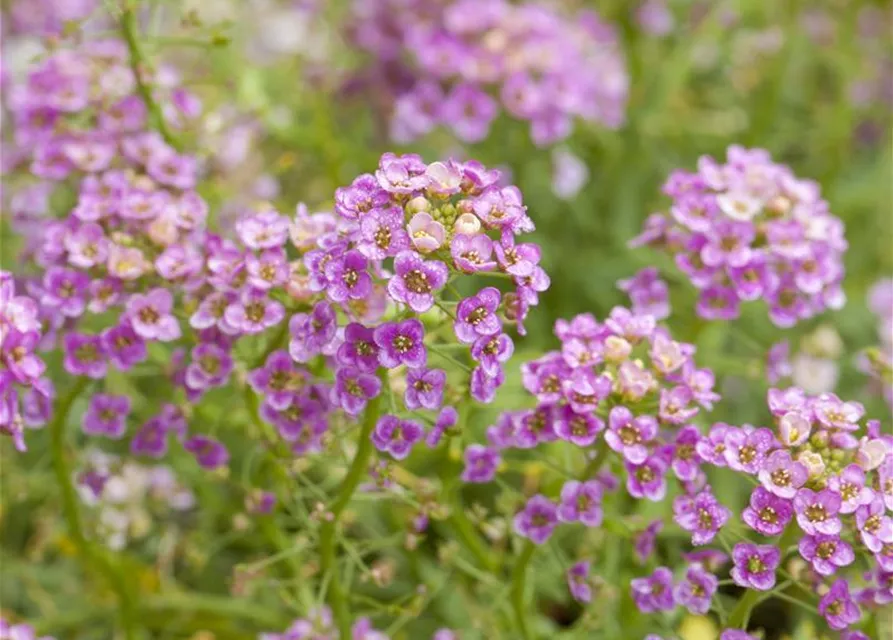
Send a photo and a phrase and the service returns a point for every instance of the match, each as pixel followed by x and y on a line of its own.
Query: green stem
pixel 201 603
pixel 131 35
pixel 85 549
pixel 519 586
pixel 329 528
pixel 740 615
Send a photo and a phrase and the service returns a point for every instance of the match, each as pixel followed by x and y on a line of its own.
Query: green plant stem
pixel 131 34
pixel 87 552
pixel 741 613
pixel 519 586
pixel 224 607
pixel 329 529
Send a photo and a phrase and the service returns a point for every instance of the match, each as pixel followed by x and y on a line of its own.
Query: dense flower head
pixel 461 62
pixel 749 229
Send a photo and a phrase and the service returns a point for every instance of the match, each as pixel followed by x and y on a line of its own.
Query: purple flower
pixel 64 291
pixel 675 405
pixel 537 520
pixel 580 428
pixel 447 418
pixel 84 355
pixel 277 380
pixel 480 463
pixel 648 479
pixel 850 484
pixel 358 349
pixel 267 270
pixel 696 591
pixel 106 416
pixel 208 452
pixel 581 502
pixel 263 230
pixel 401 343
pixel 483 387
pixel 210 367
pixel 654 593
pixel 382 233
pixel 718 303
pixel 838 607
pixel 519 260
pixel 767 514
pixel 347 277
pixel 151 438
pixel 469 110
pixel 686 460
pixel 630 436
pixel 584 390
pixel 395 436
pixel 818 512
pixel 578 582
pixel 364 197
pixel 492 351
pixel 746 450
pixel 150 316
pixel 123 346
pixel 703 516
pixel 476 316
pixel 424 389
pixel 17 353
pixel 648 293
pixel 644 541
pixel 253 312
pixel 755 565
pixel 826 553
pixel 401 174
pixel 311 332
pixel 836 414
pixel 353 389
pixel 875 526
pixel 735 634
pixel 87 247
pixel 472 253
pixel 783 476
pixel 416 280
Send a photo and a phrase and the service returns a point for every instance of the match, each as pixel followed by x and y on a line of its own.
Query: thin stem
pixel 519 586
pixel 329 528
pixel 86 550
pixel 131 34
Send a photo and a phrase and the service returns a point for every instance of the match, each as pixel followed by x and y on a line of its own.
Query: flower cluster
pixel 622 385
pixel 747 230
pixel 404 238
pixel 126 498
pixel 24 390
pixel 460 62
pixel 824 483
pixel 318 625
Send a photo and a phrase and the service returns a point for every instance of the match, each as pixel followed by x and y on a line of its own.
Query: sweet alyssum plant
pixel 361 341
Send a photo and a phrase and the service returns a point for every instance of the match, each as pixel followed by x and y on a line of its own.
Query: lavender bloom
pixel 425 233
pixel 480 464
pixel 401 343
pixel 581 502
pixel 836 414
pixel 123 346
pixel 875 526
pixel 416 280
pixel 647 480
pixel 686 460
pixel 363 198
pixel 702 515
pixel 648 293
pixel 817 512
pixel 778 363
pixel 755 565
pixel 645 540
pixel 580 428
pixel 492 351
pixel 253 312
pixel 850 484
pixel 630 436
pixel 311 332
pixel 794 428
pixel 395 436
pixel 578 582
pixel 838 607
pixel 781 475
pixel 746 450
pixel 106 416
pixel 347 277
pixel 424 389
pixel 84 355
pixel 150 316
pixel 382 234
pixel 210 367
pixel 16 353
pixel 654 593
pixel 263 230
pixel 767 514
pixel 358 349
pixel 826 553
pixel 208 452
pixel 448 417
pixel 353 389
pixel 537 520
pixel 476 316
pixel 696 591
pixel 64 290
pixel 277 380
pixel 472 253
pixel 483 387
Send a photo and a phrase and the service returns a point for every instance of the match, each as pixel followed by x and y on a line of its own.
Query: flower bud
pixel 467 224
pixel 617 349
pixel 418 204
pixel 794 428
pixel 814 463
pixel 871 453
